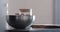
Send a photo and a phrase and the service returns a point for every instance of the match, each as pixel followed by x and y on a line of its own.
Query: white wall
pixel 43 9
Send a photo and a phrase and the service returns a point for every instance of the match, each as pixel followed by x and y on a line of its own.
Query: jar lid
pixel 25 10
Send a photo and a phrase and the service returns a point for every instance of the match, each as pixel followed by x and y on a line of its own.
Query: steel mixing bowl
pixel 19 22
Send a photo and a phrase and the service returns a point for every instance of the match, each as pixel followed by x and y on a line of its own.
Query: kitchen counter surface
pixel 35 30
pixel 39 28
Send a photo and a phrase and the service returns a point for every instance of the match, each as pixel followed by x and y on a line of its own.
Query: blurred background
pixel 46 11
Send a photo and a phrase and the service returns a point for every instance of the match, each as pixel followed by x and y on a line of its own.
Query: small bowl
pixel 20 22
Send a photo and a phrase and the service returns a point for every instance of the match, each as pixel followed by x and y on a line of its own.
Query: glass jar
pixel 21 19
